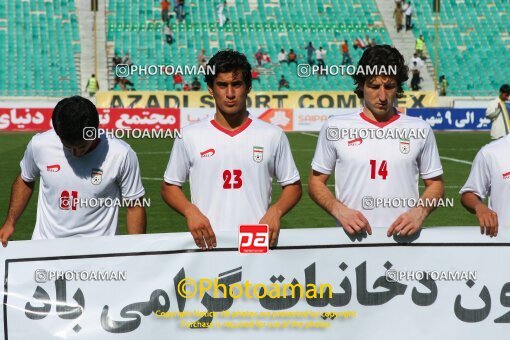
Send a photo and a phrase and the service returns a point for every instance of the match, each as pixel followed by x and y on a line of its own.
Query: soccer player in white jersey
pixel 370 169
pixel 72 171
pixel 231 160
pixel 490 176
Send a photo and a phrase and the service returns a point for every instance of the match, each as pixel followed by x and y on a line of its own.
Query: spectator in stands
pixel 123 83
pixel 258 56
pixel 498 113
pixel 255 75
pixel 186 87
pixel 202 60
pixel 127 59
pixel 266 60
pixel 116 60
pixel 443 85
pixel 169 35
pixel 195 85
pixel 416 59
pixel 346 57
pixel 415 79
pixel 283 83
pixel 420 45
pixel 398 15
pixel 179 9
pixel 309 51
pixel 282 57
pixel 92 86
pixel 177 81
pixel 221 13
pixel 358 43
pixel 409 13
pixel 292 57
pixel 165 6
pixel 319 55
pixel 367 41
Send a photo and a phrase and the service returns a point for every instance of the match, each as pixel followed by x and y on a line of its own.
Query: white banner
pixel 313 119
pixel 131 287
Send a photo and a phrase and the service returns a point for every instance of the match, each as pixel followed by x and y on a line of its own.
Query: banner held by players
pixel 317 283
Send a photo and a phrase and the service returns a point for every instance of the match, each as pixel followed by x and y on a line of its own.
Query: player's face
pixel 80 149
pixel 504 96
pixel 380 93
pixel 230 91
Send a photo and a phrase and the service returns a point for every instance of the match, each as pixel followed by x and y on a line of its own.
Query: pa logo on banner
pixel 253 239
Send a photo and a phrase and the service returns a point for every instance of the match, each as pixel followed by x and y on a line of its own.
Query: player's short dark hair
pixel 227 61
pixel 505 88
pixel 71 116
pixel 381 55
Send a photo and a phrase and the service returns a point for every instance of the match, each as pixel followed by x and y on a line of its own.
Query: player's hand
pixel 200 228
pixel 408 223
pixel 352 221
pixel 272 219
pixel 488 220
pixel 5 233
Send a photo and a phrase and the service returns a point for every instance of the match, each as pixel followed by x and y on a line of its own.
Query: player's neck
pixel 378 118
pixel 231 122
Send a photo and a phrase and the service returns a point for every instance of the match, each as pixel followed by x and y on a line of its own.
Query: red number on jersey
pixel 68 201
pixel 383 169
pixel 236 182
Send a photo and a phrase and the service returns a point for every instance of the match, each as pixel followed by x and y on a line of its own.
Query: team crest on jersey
pixel 258 154
pixel 405 146
pixel 506 175
pixel 96 177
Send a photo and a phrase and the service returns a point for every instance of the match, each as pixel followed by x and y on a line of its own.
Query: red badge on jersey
pixel 207 153
pixel 53 168
pixel 506 175
pixel 253 239
pixel 355 142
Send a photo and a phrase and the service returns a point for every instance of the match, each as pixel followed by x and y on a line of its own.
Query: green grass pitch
pixel 153 157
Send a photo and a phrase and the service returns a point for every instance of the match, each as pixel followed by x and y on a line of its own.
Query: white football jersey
pixel 369 170
pixel 66 205
pixel 231 172
pixel 490 176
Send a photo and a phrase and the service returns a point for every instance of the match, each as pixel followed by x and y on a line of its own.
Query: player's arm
pixel 351 220
pixel 136 217
pixel 411 221
pixel 20 195
pixel 487 218
pixel 290 196
pixel 473 193
pixel 198 223
pixel 131 187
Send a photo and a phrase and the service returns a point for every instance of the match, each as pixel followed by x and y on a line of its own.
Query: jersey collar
pixel 380 124
pixel 232 133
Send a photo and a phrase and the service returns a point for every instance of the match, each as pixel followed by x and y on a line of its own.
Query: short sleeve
pixel 178 167
pixel 478 181
pixel 325 156
pixel 130 178
pixel 429 162
pixel 29 169
pixel 285 168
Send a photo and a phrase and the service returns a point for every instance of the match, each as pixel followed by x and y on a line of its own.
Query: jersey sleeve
pixel 29 169
pixel 325 156
pixel 478 181
pixel 285 168
pixel 129 178
pixel 429 162
pixel 178 167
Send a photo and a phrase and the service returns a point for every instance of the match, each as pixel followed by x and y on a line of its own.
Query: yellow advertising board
pixel 259 99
